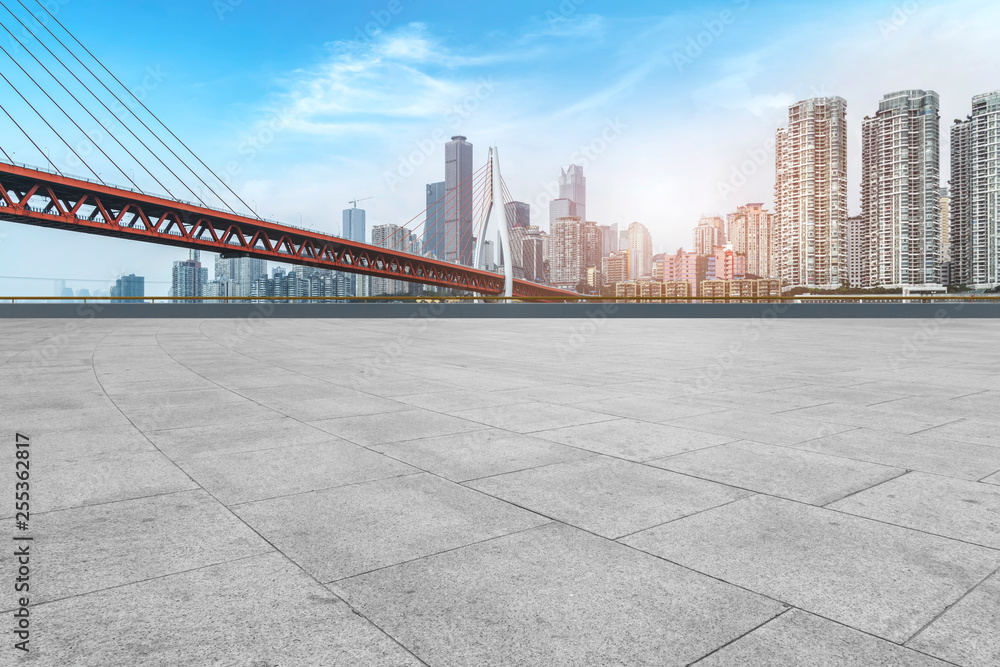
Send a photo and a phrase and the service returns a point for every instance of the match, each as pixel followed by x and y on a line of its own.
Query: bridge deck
pixel 470 492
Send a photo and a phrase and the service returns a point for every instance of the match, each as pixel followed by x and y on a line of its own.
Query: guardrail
pixel 811 298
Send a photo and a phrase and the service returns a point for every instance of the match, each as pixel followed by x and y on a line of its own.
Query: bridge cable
pixel 439 206
pixel 114 115
pixel 127 108
pixel 98 61
pixel 82 106
pixel 51 128
pixel 456 193
pixel 9 158
pixel 28 137
pixel 65 113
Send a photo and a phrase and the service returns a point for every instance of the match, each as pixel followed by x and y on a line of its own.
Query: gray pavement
pixel 289 493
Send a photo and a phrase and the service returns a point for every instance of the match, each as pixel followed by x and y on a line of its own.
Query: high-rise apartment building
pixel 856 269
pixel 709 235
pixel 575 246
pixel 615 267
pixel 901 190
pixel 573 187
pixel 945 227
pixel 640 249
pixel 810 192
pixel 393 237
pixel 693 268
pixel 751 232
pixel 131 286
pixel 189 277
pixel 458 244
pixel 975 195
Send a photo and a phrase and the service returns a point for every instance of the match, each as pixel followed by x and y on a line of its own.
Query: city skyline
pixel 706 138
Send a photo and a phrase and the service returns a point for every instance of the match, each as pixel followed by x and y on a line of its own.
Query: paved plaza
pixel 609 492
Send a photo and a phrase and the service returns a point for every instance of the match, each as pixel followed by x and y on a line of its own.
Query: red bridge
pixel 35 197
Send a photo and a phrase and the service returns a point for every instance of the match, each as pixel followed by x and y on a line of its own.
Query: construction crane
pixel 355 201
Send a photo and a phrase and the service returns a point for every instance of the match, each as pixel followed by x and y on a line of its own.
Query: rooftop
pixel 523 492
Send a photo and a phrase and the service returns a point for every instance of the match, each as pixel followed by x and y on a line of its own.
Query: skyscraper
pixel 353 229
pixel 534 254
pixel 562 208
pixel 900 190
pixel 640 251
pixel 518 221
pixel 609 239
pixel 573 186
pixel 810 192
pixel 975 195
pixel 751 231
pixel 458 244
pixel 434 226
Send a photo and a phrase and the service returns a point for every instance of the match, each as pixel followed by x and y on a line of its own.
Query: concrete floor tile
pixel 345 531
pixel 239 477
pixel 798 638
pixel 380 429
pixel 769 429
pixel 60 484
pixel 606 496
pixel 310 410
pixel 36 422
pixel 241 437
pixel 159 418
pixel 92 548
pixel 649 408
pixel 780 471
pixel 633 440
pixel 457 400
pixel 881 579
pixel 579 601
pixel 967 633
pixel 869 417
pixel 915 452
pixel 854 395
pixel 256 611
pixel 467 456
pixel 529 417
pixel 976 431
pixel 963 510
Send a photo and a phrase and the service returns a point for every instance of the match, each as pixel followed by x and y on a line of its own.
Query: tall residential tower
pixel 975 195
pixel 810 193
pixel 900 229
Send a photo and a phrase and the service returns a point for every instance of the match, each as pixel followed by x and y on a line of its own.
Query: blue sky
pixel 666 99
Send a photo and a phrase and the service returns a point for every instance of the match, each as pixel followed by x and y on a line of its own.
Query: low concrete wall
pixel 485 310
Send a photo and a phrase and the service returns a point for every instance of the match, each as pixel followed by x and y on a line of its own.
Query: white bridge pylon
pixel 497 217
